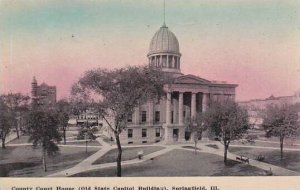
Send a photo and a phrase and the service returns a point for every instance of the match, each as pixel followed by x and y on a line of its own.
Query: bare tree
pixel 195 125
pixel 227 121
pixel 281 121
pixel 119 92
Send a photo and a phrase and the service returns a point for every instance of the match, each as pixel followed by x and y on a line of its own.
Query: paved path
pixel 86 165
pixel 264 147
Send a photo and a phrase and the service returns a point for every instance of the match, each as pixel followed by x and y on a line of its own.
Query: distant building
pixel 255 107
pixel 88 117
pixel 42 94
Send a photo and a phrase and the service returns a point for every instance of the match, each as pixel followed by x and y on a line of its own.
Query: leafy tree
pixel 18 105
pixel 43 130
pixel 63 111
pixel 7 121
pixel 119 92
pixel 281 121
pixel 87 131
pixel 227 121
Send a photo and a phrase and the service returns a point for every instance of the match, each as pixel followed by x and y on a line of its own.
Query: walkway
pixel 87 164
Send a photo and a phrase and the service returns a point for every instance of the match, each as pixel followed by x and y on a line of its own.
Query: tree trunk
pixel 44 160
pixel 226 145
pixel 195 147
pixel 17 130
pixel 3 143
pixel 64 134
pixel 119 159
pixel 281 147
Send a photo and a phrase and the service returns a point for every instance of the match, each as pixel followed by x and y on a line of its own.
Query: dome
pixel 164 41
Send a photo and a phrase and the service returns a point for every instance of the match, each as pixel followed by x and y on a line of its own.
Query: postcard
pixel 149 95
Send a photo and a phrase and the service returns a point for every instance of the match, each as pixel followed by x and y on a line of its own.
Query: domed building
pixel 163 120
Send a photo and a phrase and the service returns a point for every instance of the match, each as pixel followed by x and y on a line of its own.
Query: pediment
pixel 191 79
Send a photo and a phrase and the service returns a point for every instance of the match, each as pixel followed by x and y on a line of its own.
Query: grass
pixel 180 163
pixel 21 140
pixel 90 143
pixel 291 159
pixel 25 161
pixel 128 153
pixel 214 146
pixel 191 147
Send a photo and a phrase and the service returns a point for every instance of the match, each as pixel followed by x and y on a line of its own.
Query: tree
pixel 43 130
pixel 281 121
pixel 63 111
pixel 227 121
pixel 18 105
pixel 7 121
pixel 120 91
pixel 195 126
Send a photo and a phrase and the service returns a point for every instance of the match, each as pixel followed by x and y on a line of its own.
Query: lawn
pixel 25 161
pixel 291 159
pixel 180 163
pixel 82 143
pixel 274 144
pixel 128 153
pixel 21 140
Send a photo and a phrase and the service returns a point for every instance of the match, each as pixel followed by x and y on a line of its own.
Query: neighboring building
pixel 42 94
pixel 163 120
pixel 89 117
pixel 255 107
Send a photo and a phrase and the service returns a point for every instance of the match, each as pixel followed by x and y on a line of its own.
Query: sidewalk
pixel 86 165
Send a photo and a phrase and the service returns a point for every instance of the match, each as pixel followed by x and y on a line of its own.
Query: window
pixel 130 133
pixel 157 116
pixel 144 132
pixel 172 117
pixel 157 132
pixel 129 118
pixel 144 116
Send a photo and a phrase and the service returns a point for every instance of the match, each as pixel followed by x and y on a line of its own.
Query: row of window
pixel 144 116
pixel 156 116
pixel 144 132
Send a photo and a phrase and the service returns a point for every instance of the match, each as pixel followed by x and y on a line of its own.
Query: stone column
pixel 168 108
pixel 175 110
pixel 167 61
pixel 150 112
pixel 193 105
pixel 205 102
pixel 180 109
pixel 137 115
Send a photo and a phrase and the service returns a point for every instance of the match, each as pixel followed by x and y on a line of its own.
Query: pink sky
pixel 255 44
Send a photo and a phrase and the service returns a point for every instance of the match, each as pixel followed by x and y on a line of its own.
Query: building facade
pixel 163 120
pixel 257 106
pixel 42 94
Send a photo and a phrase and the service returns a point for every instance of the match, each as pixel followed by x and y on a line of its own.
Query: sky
pixel 255 44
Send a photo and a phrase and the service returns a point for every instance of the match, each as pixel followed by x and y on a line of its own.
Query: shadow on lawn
pixel 5 169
